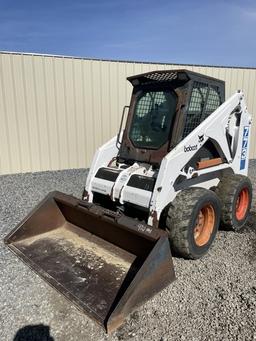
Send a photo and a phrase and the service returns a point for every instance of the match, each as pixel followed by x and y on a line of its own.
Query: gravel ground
pixel 212 299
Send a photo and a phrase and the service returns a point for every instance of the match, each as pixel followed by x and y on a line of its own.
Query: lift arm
pixel 215 127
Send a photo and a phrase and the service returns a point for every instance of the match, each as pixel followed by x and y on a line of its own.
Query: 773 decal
pixel 245 142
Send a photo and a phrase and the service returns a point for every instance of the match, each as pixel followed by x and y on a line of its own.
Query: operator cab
pixel 165 107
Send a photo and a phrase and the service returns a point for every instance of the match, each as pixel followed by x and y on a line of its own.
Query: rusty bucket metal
pixel 104 262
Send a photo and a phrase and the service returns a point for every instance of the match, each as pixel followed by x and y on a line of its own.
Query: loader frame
pixel 231 118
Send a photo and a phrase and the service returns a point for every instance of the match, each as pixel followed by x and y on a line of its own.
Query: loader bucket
pixel 104 262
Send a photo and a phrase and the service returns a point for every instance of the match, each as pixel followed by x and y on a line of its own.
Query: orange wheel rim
pixel 242 204
pixel 204 225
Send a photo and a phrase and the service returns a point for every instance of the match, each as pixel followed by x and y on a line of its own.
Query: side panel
pixel 214 127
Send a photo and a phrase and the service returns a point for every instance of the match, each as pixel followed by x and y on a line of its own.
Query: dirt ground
pixel 213 298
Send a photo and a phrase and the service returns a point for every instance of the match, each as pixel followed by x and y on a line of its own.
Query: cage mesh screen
pixel 204 100
pixel 213 101
pixel 195 109
pixel 159 76
pixel 145 105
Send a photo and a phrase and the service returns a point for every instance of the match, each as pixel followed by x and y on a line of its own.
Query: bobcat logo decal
pixel 200 138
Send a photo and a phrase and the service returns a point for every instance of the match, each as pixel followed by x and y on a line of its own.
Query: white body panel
pixel 214 127
pixel 101 186
pixel 101 158
pixel 137 196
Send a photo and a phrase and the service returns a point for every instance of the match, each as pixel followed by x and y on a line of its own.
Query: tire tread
pixel 226 191
pixel 179 217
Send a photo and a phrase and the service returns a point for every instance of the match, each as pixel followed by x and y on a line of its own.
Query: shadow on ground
pixel 37 332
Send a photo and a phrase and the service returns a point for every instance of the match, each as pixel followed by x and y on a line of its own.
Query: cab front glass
pixel 153 117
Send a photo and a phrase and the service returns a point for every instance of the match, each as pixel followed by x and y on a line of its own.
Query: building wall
pixel 55 111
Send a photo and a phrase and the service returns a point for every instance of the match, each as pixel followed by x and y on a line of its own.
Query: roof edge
pixel 189 73
pixel 124 61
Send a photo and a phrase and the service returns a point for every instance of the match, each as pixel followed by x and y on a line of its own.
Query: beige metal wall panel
pixel 55 111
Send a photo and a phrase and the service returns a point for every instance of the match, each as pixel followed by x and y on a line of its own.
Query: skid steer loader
pixel 171 176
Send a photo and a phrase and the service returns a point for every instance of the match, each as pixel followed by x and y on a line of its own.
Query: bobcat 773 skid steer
pixel 165 183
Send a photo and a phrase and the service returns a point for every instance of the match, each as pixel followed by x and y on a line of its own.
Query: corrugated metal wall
pixel 55 111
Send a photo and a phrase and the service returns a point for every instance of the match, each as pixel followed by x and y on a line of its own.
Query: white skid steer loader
pixel 166 182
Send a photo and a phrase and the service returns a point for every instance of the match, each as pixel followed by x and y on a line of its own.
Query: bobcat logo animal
pixel 200 138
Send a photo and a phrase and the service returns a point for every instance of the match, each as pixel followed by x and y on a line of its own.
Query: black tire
pixel 229 190
pixel 182 220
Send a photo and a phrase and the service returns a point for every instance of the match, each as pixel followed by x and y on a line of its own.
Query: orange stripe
pixel 208 163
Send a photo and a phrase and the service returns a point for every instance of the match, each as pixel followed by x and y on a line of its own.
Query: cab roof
pixel 180 75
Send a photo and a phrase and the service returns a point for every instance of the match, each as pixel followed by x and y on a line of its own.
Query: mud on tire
pixel 192 221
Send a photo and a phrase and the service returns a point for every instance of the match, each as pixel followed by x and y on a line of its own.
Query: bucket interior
pixel 88 258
